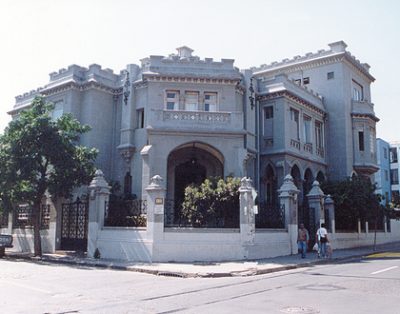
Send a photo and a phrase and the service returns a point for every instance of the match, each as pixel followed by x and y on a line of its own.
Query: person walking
pixel 322 238
pixel 302 240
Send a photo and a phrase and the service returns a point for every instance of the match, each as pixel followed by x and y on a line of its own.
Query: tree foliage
pixel 39 154
pixel 392 209
pixel 215 203
pixel 354 199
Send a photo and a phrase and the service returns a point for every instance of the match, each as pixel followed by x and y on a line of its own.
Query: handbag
pixel 315 247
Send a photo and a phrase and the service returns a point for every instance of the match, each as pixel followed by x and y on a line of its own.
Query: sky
pixel 42 36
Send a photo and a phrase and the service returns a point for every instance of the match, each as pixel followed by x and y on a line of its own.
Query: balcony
pixel 196 120
pixel 362 107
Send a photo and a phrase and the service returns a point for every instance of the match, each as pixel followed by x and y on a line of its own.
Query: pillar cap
pixel 328 200
pixel 98 180
pixel 155 183
pixel 316 190
pixel 288 186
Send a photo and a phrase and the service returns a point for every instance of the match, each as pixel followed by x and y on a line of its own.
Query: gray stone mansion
pixel 187 118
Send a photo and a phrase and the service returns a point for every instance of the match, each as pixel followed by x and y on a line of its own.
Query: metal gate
pixel 307 217
pixel 74 226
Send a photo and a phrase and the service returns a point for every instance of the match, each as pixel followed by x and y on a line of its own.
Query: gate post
pixel 330 207
pixel 316 201
pixel 99 192
pixel 155 211
pixel 247 215
pixel 288 200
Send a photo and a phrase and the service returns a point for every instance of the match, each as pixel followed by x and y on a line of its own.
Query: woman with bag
pixel 322 236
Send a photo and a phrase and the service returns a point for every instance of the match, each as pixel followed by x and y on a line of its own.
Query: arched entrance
pixel 188 164
pixel 190 172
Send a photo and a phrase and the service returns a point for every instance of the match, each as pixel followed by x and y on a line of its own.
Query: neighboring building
pixel 186 119
pixel 394 170
pixel 383 175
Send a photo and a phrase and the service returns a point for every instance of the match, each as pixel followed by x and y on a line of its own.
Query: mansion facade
pixel 186 118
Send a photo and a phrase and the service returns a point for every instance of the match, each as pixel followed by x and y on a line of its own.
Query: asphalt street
pixel 362 285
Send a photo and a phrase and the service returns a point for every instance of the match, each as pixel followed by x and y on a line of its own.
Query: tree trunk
pixel 37 242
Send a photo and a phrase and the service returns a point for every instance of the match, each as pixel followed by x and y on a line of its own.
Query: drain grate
pixel 171 274
pixel 299 309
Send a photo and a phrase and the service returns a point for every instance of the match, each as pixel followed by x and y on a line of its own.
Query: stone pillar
pixel 99 192
pixel 247 215
pixel 288 194
pixel 10 222
pixel 359 226
pixel 330 206
pixel 155 213
pixel 316 201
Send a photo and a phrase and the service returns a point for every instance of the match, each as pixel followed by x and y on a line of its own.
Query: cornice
pixel 292 97
pixel 81 87
pixel 367 116
pixel 190 79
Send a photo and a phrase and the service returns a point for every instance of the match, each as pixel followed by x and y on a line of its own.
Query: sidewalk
pixel 208 269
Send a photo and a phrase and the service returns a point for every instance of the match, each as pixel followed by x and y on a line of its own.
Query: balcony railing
pixel 320 151
pixel 295 144
pixel 308 147
pixel 204 116
pixel 196 119
pixel 362 107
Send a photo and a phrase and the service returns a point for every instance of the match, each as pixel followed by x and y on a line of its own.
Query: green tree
pixel 354 199
pixel 215 203
pixel 39 154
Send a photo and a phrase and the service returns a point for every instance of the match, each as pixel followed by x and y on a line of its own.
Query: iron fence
pixel 125 213
pixel 23 216
pixel 175 217
pixel 270 216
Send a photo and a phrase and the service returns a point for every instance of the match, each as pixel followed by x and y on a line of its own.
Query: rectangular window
pixel 191 101
pixel 172 100
pixel 269 122
pixel 306 80
pixel 358 91
pixel 140 118
pixel 385 154
pixel 319 135
pixel 269 112
pixel 372 140
pixel 330 75
pixel 361 141
pixel 294 121
pixel 210 102
pixel 307 129
pixel 393 155
pixel 394 176
pixel 386 175
pixel 298 81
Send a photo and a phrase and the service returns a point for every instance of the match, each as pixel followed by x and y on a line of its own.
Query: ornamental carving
pixel 214 117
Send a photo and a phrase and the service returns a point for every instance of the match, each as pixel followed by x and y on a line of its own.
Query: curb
pixel 244 273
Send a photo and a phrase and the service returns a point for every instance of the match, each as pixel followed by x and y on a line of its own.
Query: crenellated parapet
pixel 74 77
pixel 184 64
pixel 337 52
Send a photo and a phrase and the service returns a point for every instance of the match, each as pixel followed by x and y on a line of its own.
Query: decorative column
pixel 330 207
pixel 155 212
pixel 99 192
pixel 247 215
pixel 316 202
pixel 288 194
